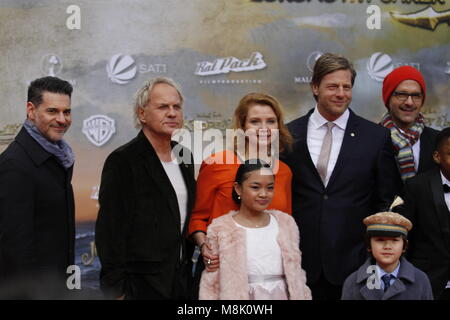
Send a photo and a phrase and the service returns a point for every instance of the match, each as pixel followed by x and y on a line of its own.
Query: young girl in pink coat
pixel 258 248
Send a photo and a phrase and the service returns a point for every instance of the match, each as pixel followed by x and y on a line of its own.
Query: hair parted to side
pixel 244 171
pixel 328 63
pixel 253 98
pixel 37 88
pixel 142 96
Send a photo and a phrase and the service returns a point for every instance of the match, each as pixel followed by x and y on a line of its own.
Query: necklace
pixel 252 224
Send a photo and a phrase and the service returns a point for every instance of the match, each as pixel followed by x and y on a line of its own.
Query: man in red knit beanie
pixel 404 92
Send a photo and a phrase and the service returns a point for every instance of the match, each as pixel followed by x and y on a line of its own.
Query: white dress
pixel 264 263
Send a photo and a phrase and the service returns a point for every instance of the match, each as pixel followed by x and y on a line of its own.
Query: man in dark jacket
pixel 343 170
pixel 37 224
pixel 427 205
pixel 146 196
pixel 404 93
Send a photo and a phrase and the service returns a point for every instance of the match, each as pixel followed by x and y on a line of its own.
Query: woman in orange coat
pixel 260 133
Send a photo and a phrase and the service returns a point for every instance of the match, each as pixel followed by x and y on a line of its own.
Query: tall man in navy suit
pixel 343 171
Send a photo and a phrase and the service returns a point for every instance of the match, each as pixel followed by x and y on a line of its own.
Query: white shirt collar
pixel 444 179
pixel 381 272
pixel 317 120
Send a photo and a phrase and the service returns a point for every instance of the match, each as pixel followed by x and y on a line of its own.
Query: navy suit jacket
pixel 364 181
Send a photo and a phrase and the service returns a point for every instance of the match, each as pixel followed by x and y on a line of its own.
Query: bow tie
pixel 446 188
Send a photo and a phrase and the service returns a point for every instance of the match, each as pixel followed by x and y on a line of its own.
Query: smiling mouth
pixel 407 110
pixel 340 102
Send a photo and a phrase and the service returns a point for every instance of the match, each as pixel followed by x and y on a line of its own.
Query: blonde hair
pixel 328 63
pixel 142 96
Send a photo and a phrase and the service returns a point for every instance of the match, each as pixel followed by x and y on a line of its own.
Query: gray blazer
pixel 411 284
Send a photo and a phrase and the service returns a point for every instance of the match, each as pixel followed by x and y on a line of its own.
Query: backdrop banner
pixel 217 51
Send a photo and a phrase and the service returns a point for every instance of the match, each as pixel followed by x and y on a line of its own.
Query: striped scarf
pixel 403 142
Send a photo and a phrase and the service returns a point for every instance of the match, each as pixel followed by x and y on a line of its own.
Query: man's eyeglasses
pixel 402 96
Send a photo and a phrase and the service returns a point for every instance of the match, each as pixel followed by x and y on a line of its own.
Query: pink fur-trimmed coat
pixel 230 281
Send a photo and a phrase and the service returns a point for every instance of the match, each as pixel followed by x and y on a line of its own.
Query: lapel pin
pixel 352 134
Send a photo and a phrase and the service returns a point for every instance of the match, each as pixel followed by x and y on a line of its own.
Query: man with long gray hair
pixel 146 196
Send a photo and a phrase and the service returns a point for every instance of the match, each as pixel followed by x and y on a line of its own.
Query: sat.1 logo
pixel 121 68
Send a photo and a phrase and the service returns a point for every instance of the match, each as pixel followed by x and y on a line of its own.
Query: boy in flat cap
pixel 404 92
pixel 387 275
pixel 427 205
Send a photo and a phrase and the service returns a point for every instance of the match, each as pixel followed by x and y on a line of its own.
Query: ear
pixel 405 246
pixel 31 108
pixel 237 188
pixel 436 157
pixel 141 115
pixel 315 89
pixel 388 106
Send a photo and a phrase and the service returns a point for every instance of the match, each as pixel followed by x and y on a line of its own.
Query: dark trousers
pixel 324 290
pixel 445 295
pixel 199 267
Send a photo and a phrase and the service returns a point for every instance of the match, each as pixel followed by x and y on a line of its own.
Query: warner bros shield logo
pixel 99 129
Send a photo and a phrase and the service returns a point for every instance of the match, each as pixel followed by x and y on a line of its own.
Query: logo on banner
pixel 121 68
pixel 312 58
pixel 51 65
pixel 310 62
pixel 379 66
pixel 230 64
pixel 98 129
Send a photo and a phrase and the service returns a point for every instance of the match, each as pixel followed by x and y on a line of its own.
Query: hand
pixel 122 297
pixel 210 260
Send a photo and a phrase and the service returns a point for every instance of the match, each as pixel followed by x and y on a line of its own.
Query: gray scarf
pixel 60 149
